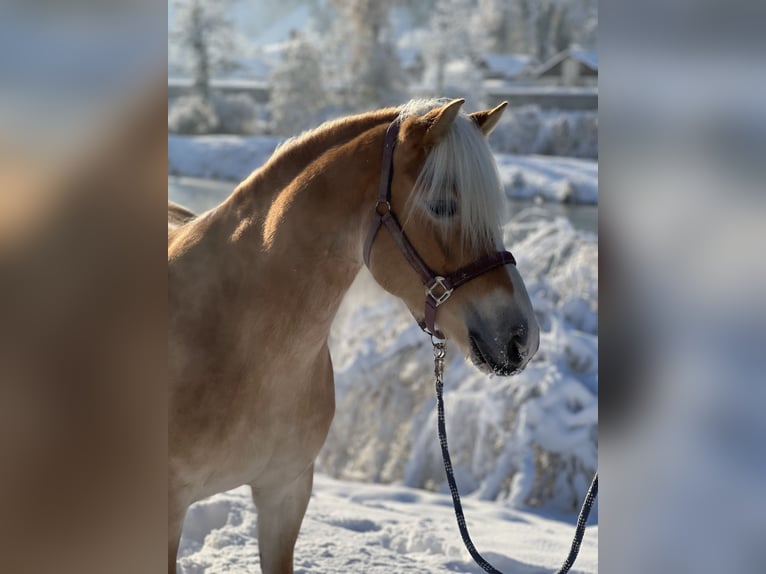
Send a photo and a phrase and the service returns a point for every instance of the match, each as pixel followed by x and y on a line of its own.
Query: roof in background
pixel 588 58
pixel 509 65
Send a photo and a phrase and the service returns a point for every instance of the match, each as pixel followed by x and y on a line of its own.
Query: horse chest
pixel 279 430
pixel 292 414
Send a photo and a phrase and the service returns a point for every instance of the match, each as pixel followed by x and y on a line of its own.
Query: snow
pixel 587 57
pixel 376 529
pixel 233 158
pixel 252 67
pixel 230 158
pixel 510 89
pixel 409 57
pixel 508 66
pixel 223 83
pixel 557 179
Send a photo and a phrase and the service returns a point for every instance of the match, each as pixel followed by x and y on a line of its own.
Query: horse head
pixel 443 182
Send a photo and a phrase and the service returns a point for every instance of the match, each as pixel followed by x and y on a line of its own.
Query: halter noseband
pixel 438 287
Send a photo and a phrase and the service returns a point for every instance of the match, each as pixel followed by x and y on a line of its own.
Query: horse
pixel 254 285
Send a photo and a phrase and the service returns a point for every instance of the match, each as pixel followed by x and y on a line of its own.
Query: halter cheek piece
pixel 438 288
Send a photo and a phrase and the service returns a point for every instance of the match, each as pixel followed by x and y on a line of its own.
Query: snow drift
pixel 375 529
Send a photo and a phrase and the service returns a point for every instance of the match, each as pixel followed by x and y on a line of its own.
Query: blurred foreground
pixel 683 431
pixel 82 289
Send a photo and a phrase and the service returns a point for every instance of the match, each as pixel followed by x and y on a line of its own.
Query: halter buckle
pixel 439 281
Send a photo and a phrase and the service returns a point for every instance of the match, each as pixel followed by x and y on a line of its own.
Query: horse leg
pixel 280 513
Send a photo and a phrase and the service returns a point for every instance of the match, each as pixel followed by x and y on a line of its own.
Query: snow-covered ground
pixel 376 529
pixel 234 157
pixel 561 179
pixel 524 448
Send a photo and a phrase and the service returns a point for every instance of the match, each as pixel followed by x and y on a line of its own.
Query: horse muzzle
pixel 503 354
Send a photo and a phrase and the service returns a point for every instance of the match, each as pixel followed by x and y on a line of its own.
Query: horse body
pixel 254 286
pixel 251 397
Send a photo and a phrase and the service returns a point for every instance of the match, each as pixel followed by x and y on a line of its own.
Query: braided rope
pixel 582 519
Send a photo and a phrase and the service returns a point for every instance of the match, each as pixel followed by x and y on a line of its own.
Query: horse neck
pixel 295 229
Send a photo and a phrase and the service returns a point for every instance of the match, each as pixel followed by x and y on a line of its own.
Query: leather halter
pixel 438 287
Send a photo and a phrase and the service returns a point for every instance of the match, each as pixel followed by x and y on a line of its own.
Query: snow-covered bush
pixel 226 114
pixel 529 130
pixel 236 113
pixel 518 131
pixel 529 439
pixel 191 115
pixel 574 135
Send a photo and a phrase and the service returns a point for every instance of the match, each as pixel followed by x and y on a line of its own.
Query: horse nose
pixel 505 353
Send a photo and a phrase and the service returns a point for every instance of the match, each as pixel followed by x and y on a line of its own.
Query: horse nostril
pixel 518 342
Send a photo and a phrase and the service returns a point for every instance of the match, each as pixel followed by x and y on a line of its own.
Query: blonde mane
pixel 460 169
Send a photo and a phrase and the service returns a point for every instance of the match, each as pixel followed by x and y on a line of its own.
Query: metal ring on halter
pixel 436 340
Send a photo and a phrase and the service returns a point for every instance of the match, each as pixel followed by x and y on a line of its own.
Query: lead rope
pixel 582 519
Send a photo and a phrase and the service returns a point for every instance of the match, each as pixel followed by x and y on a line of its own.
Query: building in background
pixel 570 67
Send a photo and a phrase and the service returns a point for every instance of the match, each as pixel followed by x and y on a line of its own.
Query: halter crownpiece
pixel 438 288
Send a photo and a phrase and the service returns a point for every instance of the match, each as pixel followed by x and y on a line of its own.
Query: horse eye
pixel 443 208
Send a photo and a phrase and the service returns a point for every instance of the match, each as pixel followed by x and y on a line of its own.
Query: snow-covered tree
pixel 360 57
pixel 582 16
pixel 541 28
pixel 203 40
pixel 297 94
pixel 454 46
pixel 551 27
pixel 504 23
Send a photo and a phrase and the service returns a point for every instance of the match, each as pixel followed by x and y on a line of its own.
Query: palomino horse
pixel 255 283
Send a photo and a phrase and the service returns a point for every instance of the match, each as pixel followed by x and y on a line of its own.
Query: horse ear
pixel 487 120
pixel 440 120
